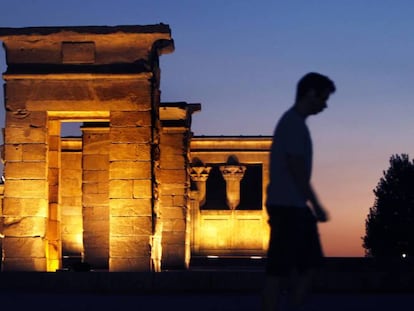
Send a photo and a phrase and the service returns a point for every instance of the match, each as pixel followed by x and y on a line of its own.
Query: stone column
pixel 53 229
pixel 199 174
pixel 95 200
pixel 232 174
pixel 25 205
pixel 130 188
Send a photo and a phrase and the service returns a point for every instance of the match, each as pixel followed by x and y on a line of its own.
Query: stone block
pixel 19 135
pixel 72 201
pixel 25 170
pixel 136 264
pixel 37 189
pixel 53 230
pixel 16 93
pixel 71 162
pixel 173 224
pixel 26 226
pixel 95 199
pixel 130 118
pixel 14 152
pixel 130 246
pixel 173 238
pixel 173 189
pixel 135 135
pixel 131 226
pixel 130 170
pixel 120 189
pixel 98 147
pixel 34 152
pixel 24 264
pixel 95 214
pixel 173 162
pixel 136 91
pixel 172 212
pixel 142 188
pixel 130 207
pixel 25 207
pixel 121 152
pixel 172 176
pixel 54 159
pixel 54 143
pixel 97 188
pixel 173 256
pixel 70 186
pixel 30 247
pixel 173 200
pixel 95 176
pixel 95 162
pixel 24 118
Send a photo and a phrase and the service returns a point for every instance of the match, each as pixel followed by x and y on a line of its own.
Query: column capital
pixel 199 173
pixel 232 172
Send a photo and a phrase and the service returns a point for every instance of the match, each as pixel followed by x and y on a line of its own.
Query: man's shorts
pixel 294 241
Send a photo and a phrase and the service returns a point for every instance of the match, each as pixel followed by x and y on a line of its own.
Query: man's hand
pixel 321 214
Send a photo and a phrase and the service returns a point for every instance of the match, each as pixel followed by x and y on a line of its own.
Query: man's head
pixel 312 93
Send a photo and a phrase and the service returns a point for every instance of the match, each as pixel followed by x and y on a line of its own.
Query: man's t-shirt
pixel 291 137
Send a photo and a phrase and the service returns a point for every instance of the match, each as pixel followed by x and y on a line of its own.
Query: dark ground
pixel 199 302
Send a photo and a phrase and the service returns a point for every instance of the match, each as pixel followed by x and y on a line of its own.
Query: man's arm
pixel 296 166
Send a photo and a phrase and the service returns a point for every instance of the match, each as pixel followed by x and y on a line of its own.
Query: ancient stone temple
pixel 135 191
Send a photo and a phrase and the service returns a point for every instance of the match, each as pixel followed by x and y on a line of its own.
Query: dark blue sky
pixel 241 60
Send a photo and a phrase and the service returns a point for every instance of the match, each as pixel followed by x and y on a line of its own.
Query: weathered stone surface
pixel 142 188
pixel 26 189
pixel 24 264
pixel 174 224
pixel 173 162
pixel 173 176
pixel 130 170
pixel 136 135
pixel 72 201
pixel 173 256
pixel 130 207
pixel 95 199
pixel 130 118
pixel 136 264
pixel 121 188
pixel 20 135
pixel 130 226
pixel 34 152
pixel 71 162
pixel 70 187
pixel 95 213
pixel 95 176
pixel 25 118
pixel 25 207
pixel 53 142
pixel 54 159
pixel 101 147
pixel 24 226
pixel 173 189
pixel 30 247
pixel 95 162
pixel 172 212
pixel 129 247
pixel 25 170
pixel 173 200
pixel 14 152
pixel 121 152
pixel 175 238
pixel 95 188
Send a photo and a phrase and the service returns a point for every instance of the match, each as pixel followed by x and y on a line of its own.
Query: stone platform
pixel 340 275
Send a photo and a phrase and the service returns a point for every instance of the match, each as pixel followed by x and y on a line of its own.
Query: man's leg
pixel 301 287
pixel 271 293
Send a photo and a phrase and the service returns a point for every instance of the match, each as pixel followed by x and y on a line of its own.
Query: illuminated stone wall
pixel 80 74
pixel 136 192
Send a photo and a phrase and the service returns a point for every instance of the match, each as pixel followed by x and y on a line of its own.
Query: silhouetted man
pixel 292 205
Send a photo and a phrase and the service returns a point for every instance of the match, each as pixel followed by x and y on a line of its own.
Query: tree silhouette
pixel 390 222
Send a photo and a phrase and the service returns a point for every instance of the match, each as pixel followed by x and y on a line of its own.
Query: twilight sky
pixel 241 60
